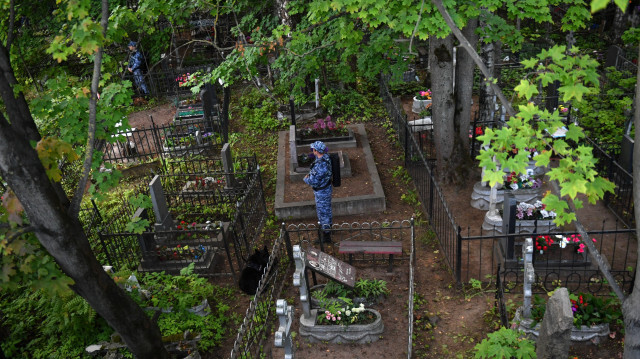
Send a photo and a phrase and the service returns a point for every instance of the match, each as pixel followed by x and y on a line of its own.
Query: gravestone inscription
pixel 330 266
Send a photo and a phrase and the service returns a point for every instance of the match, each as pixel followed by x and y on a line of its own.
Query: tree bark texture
pixel 61 235
pixel 441 59
pixel 631 305
pixel 463 102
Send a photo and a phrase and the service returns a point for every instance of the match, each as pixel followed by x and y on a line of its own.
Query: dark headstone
pixel 159 202
pixel 626 153
pixel 509 221
pixel 227 165
pixel 332 267
pixel 555 332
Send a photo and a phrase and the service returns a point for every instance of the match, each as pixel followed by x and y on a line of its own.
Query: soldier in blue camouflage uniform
pixel 319 178
pixel 136 64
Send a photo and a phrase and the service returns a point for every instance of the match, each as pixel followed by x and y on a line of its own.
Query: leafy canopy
pixel 532 129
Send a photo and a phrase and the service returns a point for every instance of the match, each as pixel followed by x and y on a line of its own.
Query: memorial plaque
pixel 332 267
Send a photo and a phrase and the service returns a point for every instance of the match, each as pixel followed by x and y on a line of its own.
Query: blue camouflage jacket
pixel 136 61
pixel 320 173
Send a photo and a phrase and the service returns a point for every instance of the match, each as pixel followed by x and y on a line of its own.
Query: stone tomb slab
pixel 360 204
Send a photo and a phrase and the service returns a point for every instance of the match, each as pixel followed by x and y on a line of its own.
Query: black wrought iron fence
pixel 211 227
pixel 198 136
pixel 621 201
pixel 260 317
pixel 397 231
pixel 474 256
pixel 118 245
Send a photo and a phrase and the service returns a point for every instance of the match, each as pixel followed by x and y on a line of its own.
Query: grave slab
pixel 371 203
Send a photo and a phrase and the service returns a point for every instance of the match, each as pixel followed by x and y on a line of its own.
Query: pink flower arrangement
pixel 424 95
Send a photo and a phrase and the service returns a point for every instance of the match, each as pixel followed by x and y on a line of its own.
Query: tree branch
pixel 603 265
pixel 474 55
pixel 74 208
pixel 415 29
pixel 12 18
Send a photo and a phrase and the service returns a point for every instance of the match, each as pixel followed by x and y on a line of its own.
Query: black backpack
pixel 335 169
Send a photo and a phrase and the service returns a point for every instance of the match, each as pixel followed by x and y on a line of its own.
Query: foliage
pixel 42 325
pixel 179 294
pixel 24 261
pixel 604 116
pixel 260 117
pixel 505 343
pixel 530 129
pixel 350 104
pixel 588 309
pixel 370 289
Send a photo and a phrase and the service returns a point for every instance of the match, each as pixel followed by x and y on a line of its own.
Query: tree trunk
pixel 61 235
pixel 631 305
pixel 487 101
pixel 441 59
pixel 463 93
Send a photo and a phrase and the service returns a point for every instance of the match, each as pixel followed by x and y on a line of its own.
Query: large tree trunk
pixel 631 305
pixel 61 235
pixel 463 95
pixel 441 59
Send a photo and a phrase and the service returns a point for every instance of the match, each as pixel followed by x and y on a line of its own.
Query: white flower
pixel 529 172
pixel 348 313
pixel 514 186
pixel 544 213
pixel 552 214
pixel 563 243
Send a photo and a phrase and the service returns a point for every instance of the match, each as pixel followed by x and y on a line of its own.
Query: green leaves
pixel 505 343
pixel 532 127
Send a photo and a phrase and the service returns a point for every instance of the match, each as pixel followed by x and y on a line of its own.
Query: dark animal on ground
pixel 252 272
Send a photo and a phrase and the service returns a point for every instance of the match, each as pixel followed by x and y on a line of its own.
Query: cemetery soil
pixel 449 321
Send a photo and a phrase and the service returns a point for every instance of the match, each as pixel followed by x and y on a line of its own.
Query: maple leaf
pixel 13 206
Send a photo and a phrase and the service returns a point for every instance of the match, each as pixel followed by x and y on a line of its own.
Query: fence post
pixel 430 177
pixel 95 210
pixel 287 242
pixel 226 97
pixel 459 256
pixel 607 195
pixel 472 150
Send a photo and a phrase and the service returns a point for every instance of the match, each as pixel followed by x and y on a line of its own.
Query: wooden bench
pixel 371 247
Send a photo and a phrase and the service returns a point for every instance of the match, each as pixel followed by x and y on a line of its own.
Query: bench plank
pixel 371 247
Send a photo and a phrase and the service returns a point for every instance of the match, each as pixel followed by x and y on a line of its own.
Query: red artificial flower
pixel 478 131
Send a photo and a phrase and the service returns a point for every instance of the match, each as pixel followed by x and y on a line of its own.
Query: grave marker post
pixel 227 165
pixel 164 222
pixel 283 334
pixel 300 281
pixel 509 222
pixel 529 276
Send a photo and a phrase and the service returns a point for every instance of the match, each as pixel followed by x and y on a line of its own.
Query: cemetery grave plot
pixel 358 184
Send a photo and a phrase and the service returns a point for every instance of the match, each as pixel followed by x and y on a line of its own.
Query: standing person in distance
pixel 319 178
pixel 136 64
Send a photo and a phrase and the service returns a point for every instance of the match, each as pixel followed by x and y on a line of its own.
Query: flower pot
pixel 419 105
pixel 337 334
pixel 582 334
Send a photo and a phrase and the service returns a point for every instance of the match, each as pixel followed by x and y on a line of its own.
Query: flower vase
pixel 419 105
pixel 337 334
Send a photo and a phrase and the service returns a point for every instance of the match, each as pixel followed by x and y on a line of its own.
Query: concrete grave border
pixel 341 206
